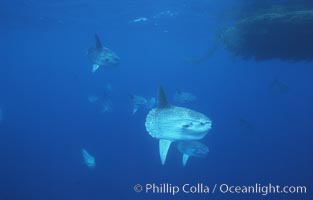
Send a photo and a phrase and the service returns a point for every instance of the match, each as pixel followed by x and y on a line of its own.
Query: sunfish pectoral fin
pixel 185 159
pixel 164 146
pixel 95 67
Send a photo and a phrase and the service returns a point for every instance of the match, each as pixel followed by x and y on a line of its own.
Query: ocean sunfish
pixel 107 106
pixel 192 148
pixel 139 101
pixel 104 101
pixel 183 97
pixel 101 56
pixel 89 160
pixel 170 123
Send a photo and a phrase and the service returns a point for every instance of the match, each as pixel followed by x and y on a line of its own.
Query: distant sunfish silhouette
pixel 192 148
pixel 101 56
pixel 104 101
pixel 183 97
pixel 88 159
pixel 170 123
pixel 139 101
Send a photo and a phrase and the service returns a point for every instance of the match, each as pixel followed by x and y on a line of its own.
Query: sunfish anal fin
pixel 185 159
pixel 98 42
pixel 164 146
pixel 162 100
pixel 95 67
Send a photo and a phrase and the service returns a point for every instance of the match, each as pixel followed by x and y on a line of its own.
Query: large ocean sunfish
pixel 170 123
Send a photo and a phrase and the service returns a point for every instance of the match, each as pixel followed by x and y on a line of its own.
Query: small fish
pixel 141 19
pixel 165 14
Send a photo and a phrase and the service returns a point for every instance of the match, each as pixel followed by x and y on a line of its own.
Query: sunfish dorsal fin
pixel 162 101
pixel 98 42
pixel 185 159
pixel 164 146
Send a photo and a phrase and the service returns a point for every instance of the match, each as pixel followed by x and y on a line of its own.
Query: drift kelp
pixel 278 33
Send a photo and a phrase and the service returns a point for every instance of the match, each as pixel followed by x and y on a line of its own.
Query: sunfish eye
pixel 187 125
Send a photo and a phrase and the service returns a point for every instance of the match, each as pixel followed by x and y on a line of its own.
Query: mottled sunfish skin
pixel 192 148
pixel 170 123
pixel 101 56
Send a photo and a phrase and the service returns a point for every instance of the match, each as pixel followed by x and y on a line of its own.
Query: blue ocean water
pixel 260 134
